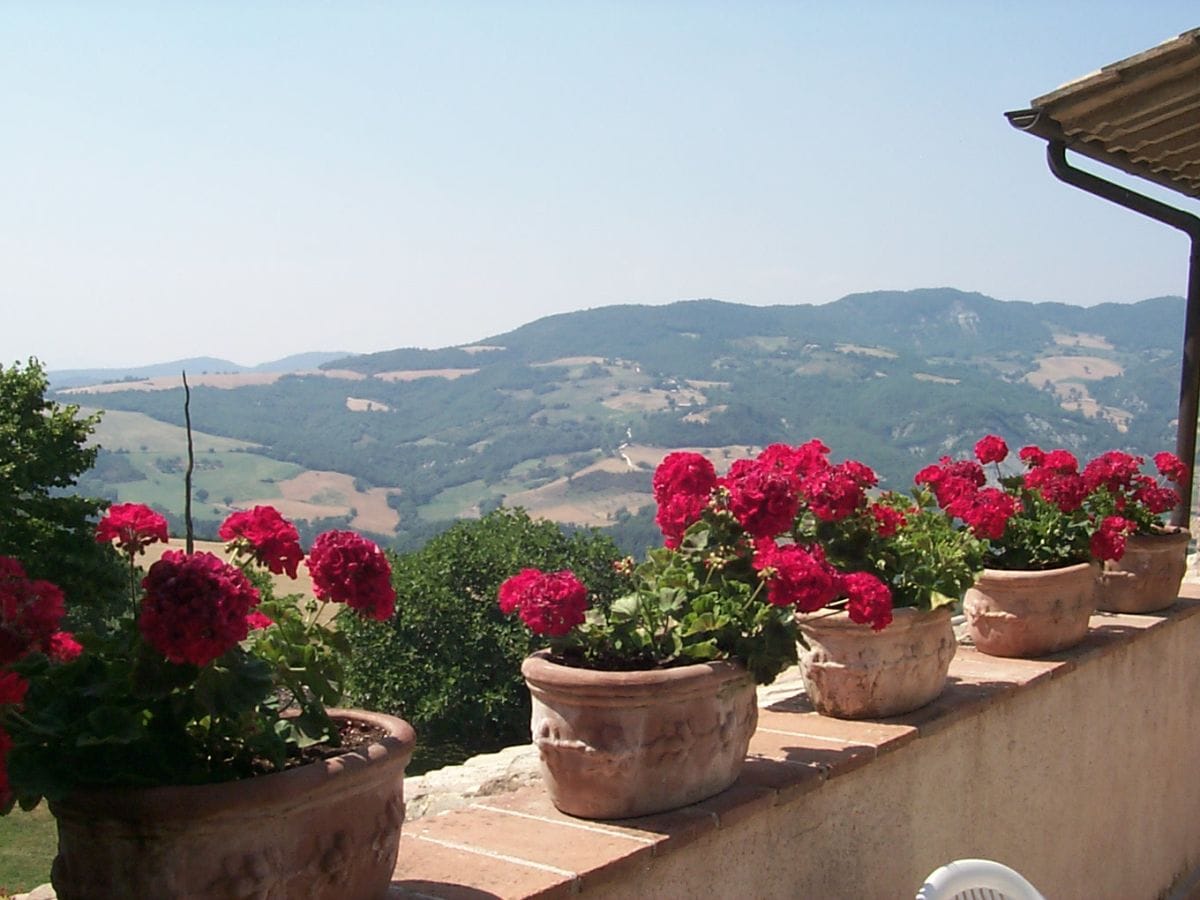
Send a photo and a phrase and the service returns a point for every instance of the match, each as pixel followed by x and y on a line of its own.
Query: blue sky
pixel 251 180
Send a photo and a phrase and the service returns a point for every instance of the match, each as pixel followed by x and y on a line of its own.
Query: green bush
pixel 448 661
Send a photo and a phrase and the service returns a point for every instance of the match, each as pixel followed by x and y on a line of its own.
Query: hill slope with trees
pixel 567 415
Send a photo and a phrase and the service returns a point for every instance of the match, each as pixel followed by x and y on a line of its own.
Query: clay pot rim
pixel 903 618
pixel 190 801
pixel 1168 534
pixel 539 669
pixel 1013 575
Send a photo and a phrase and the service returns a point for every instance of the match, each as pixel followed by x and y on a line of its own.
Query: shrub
pixel 449 661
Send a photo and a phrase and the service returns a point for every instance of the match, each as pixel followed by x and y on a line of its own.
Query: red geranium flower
pixel 795 575
pixel 549 603
pixel 988 512
pixel 870 600
pixel 12 689
pixel 195 606
pixel 347 568
pixel 268 536
pixel 761 497
pixel 62 647
pixel 888 519
pixel 1109 540
pixel 838 491
pixel 30 612
pixel 133 526
pixel 1031 455
pixel 991 449
pixel 1156 498
pixel 1170 466
pixel 682 485
pixel 1114 470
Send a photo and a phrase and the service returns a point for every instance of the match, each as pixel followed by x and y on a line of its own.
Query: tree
pixel 43 451
pixel 449 661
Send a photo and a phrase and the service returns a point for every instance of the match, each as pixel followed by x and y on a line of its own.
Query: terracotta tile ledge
pixel 517 845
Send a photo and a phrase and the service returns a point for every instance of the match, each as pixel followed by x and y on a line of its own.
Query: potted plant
pixel 1046 531
pixel 189 748
pixel 649 703
pixel 1147 576
pixel 922 561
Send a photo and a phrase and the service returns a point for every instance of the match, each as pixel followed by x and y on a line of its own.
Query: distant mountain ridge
pixel 568 415
pixel 60 379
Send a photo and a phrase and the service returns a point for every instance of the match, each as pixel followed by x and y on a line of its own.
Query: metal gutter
pixel 1189 383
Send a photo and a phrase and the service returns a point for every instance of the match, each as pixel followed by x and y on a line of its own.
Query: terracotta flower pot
pixel 1030 613
pixel 1148 576
pixel 329 829
pixel 619 744
pixel 852 672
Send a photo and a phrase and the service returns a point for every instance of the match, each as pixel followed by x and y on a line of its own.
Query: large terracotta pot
pixel 329 829
pixel 618 744
pixel 1148 576
pixel 1030 613
pixel 852 672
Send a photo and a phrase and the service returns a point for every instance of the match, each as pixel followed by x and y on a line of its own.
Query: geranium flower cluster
pixel 1055 513
pixel 1116 479
pixel 347 568
pixel 765 496
pixel 31 611
pixel 265 535
pixel 549 603
pixel 202 654
pixel 786 532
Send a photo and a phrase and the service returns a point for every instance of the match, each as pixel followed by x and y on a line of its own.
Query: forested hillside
pixel 567 415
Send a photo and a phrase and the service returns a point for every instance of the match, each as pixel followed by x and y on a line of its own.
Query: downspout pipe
pixel 1189 382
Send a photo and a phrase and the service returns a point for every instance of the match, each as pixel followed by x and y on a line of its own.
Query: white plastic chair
pixel 977 879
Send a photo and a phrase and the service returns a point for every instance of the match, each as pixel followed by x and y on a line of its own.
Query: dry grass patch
pixel 414 374
pixel 878 352
pixel 319 495
pixel 358 404
pixel 935 379
pixel 1080 339
pixel 1053 369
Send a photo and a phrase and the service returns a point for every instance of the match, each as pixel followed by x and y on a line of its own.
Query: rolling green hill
pixel 568 415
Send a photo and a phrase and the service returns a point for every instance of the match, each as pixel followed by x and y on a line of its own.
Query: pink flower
pixel 888 519
pixel 30 611
pixel 761 497
pixel 838 491
pixel 683 483
pixel 133 526
pixel 1114 470
pixel 991 449
pixel 797 462
pixel 1061 485
pixel 1156 498
pixel 257 620
pixel 347 568
pixel 796 576
pixel 1108 542
pixel 1031 455
pixel 12 689
pixel 1170 466
pixel 1062 461
pixel 62 647
pixel 870 600
pixel 988 513
pixel 271 539
pixel 953 482
pixel 549 603
pixel 195 606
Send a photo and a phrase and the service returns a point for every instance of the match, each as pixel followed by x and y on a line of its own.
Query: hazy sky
pixel 254 179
